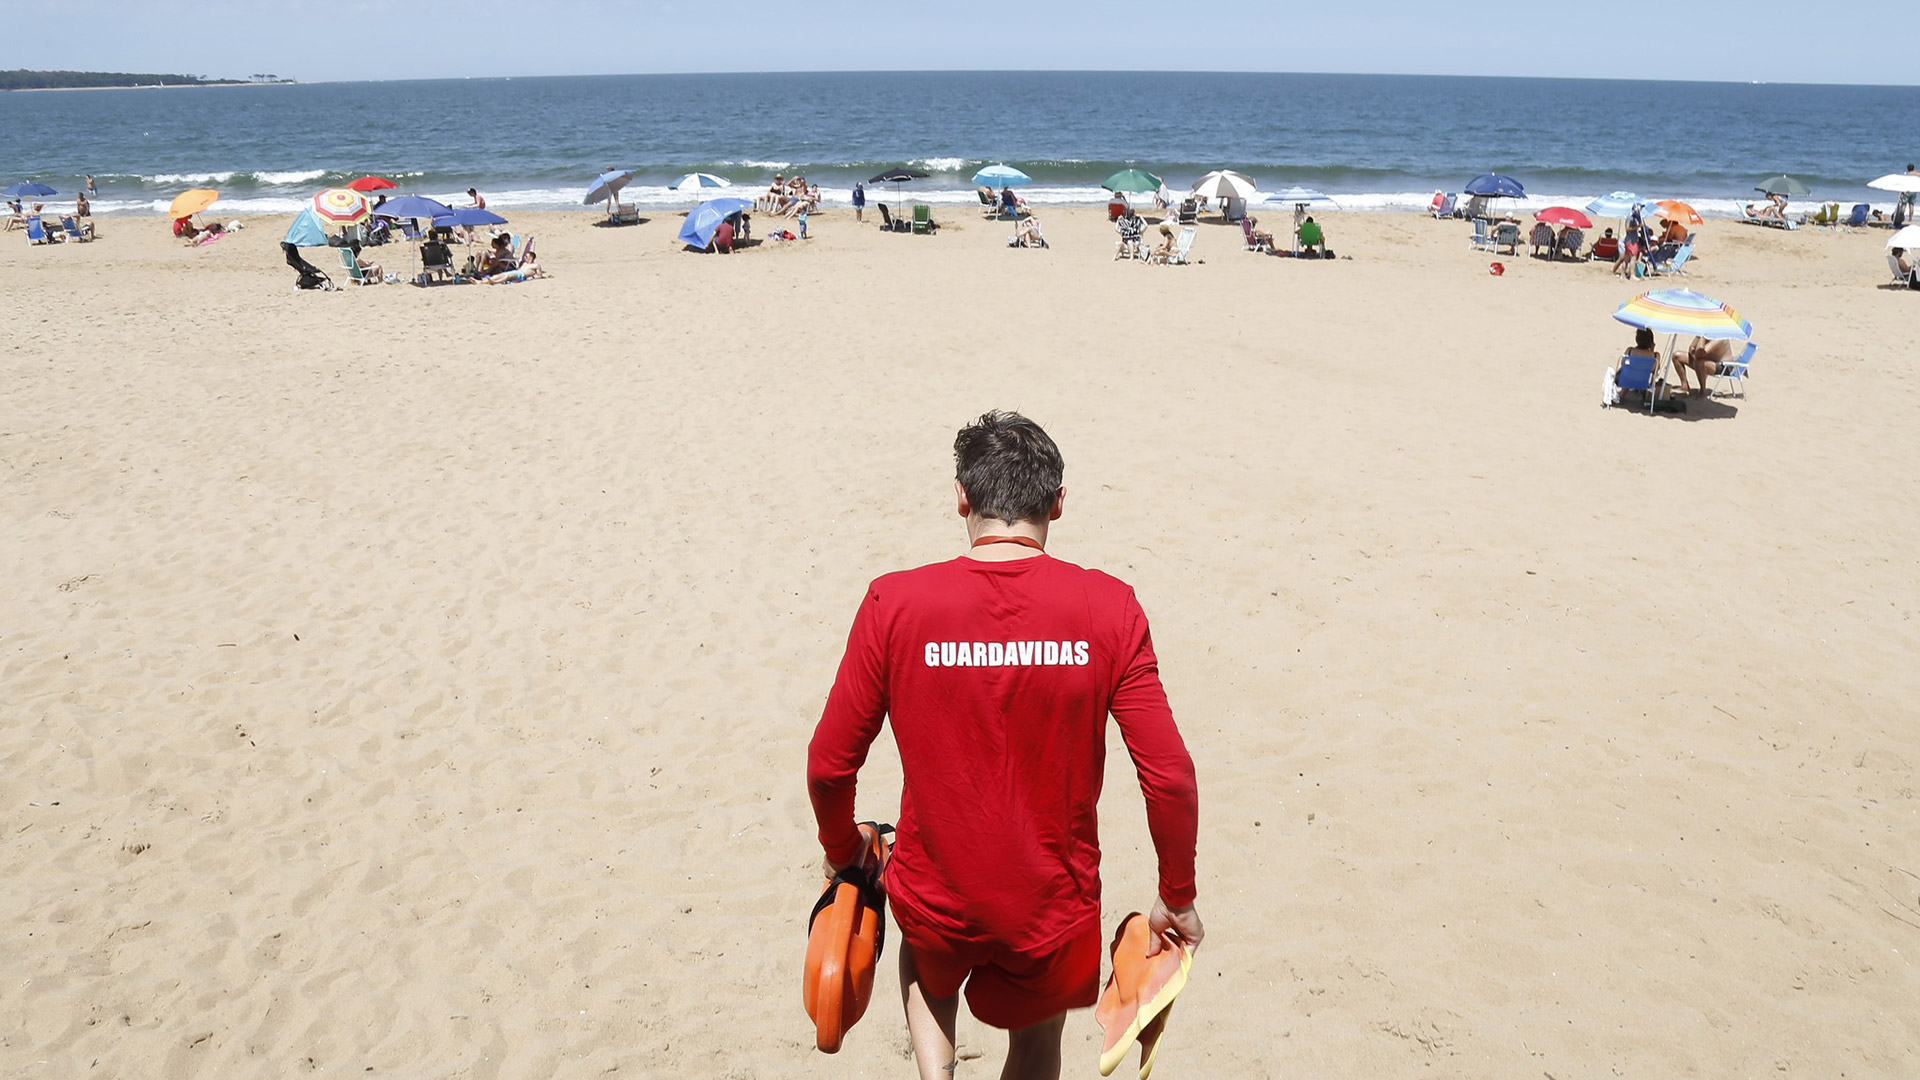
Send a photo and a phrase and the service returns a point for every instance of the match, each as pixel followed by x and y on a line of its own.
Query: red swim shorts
pixel 1009 989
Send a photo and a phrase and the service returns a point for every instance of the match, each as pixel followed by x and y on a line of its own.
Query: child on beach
pixel 997 671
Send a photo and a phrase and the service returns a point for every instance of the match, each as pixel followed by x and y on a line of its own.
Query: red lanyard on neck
pixel 1023 541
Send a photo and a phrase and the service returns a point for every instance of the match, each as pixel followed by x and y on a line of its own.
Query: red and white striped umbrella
pixel 340 206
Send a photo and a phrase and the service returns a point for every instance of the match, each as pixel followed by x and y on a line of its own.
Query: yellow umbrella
pixel 189 203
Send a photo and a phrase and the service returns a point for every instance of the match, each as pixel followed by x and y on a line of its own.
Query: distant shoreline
pixel 145 86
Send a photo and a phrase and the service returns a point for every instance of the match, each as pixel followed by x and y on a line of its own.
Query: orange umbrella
pixel 1675 210
pixel 189 203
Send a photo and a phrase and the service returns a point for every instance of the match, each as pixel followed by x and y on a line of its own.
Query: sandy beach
pixel 416 682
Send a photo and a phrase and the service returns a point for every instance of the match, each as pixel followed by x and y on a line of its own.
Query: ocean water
pixel 1373 141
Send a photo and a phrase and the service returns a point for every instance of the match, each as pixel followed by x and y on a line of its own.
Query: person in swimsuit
pixel 1703 358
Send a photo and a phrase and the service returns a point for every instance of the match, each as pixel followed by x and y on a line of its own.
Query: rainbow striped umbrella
pixel 1683 311
pixel 340 206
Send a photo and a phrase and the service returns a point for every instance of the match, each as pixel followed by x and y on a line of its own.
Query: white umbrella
pixel 1223 184
pixel 700 180
pixel 1908 238
pixel 1901 182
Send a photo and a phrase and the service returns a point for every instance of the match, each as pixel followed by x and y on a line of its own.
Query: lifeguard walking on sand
pixel 998 670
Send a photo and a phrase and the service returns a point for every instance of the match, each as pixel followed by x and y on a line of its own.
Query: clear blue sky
pixel 381 39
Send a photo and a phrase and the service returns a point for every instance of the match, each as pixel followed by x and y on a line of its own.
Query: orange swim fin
pixel 845 935
pixel 1133 1007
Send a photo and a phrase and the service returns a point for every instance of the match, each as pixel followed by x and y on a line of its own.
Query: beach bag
pixel 1609 390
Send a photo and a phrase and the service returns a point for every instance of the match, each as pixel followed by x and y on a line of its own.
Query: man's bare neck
pixel 992 540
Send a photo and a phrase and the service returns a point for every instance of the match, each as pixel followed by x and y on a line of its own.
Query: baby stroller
pixel 311 276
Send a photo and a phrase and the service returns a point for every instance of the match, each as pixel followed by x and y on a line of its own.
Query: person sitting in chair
pixel 436 253
pixel 1132 227
pixel 1905 265
pixel 369 270
pixel 1774 209
pixel 1542 237
pixel 1257 240
pixel 1703 358
pixel 1607 247
pixel 1643 347
pixel 499 257
pixel 1164 251
pixel 1312 239
pixel 1027 233
pixel 1672 232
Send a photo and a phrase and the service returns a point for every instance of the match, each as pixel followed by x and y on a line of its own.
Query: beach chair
pixel 36 232
pixel 1857 219
pixel 352 266
pixel 1130 233
pixel 441 270
pixel 1507 236
pixel 1640 373
pixel 1765 222
pixel 1541 237
pixel 1481 239
pixel 923 218
pixel 74 231
pixel 626 215
pixel 410 230
pixel 524 249
pixel 1900 277
pixel 1571 242
pixel 1189 212
pixel 1182 246
pixel 1733 374
pixel 887 221
pixel 1670 259
pixel 989 206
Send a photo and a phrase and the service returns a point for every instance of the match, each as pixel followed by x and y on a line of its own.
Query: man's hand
pixel 1184 922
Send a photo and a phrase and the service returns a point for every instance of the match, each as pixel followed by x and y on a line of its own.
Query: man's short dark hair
pixel 1008 467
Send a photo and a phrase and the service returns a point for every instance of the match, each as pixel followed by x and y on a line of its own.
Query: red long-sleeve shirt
pixel 998 678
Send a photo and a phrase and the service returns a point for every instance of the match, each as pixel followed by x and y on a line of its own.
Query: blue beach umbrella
pixel 413 206
pixel 697 180
pixel 468 216
pixel 697 230
pixel 1495 186
pixel 1617 204
pixel 1000 176
pixel 607 186
pixel 27 189
pixel 306 231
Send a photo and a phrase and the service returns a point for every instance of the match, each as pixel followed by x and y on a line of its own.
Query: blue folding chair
pixel 1639 373
pixel 36 232
pixel 1858 218
pixel 1735 373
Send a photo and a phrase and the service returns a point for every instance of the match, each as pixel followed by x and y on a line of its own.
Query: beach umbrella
pixel 698 180
pixel 467 217
pixel 702 220
pixel 27 189
pixel 1495 186
pixel 306 230
pixel 1905 183
pixel 896 177
pixel 1563 216
pixel 1000 176
pixel 1782 185
pixel 371 183
pixel 1908 237
pixel 413 206
pixel 1683 311
pixel 1132 182
pixel 189 203
pixel 1224 184
pixel 341 207
pixel 1616 204
pixel 1675 210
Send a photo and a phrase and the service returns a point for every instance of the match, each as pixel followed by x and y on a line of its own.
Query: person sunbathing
pixel 1164 251
pixel 1257 240
pixel 1703 358
pixel 1542 237
pixel 1027 233
pixel 1774 209
pixel 499 257
pixel 1643 347
pixel 16 216
pixel 370 271
pixel 1132 226
pixel 1312 240
pixel 528 269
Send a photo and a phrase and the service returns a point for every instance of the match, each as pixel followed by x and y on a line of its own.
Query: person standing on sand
pixel 997 670
pixel 859 202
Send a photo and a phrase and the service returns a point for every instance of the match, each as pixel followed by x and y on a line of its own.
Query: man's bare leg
pixel 1033 1053
pixel 930 1022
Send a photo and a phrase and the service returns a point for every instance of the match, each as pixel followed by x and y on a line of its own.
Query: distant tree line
pixel 23 79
